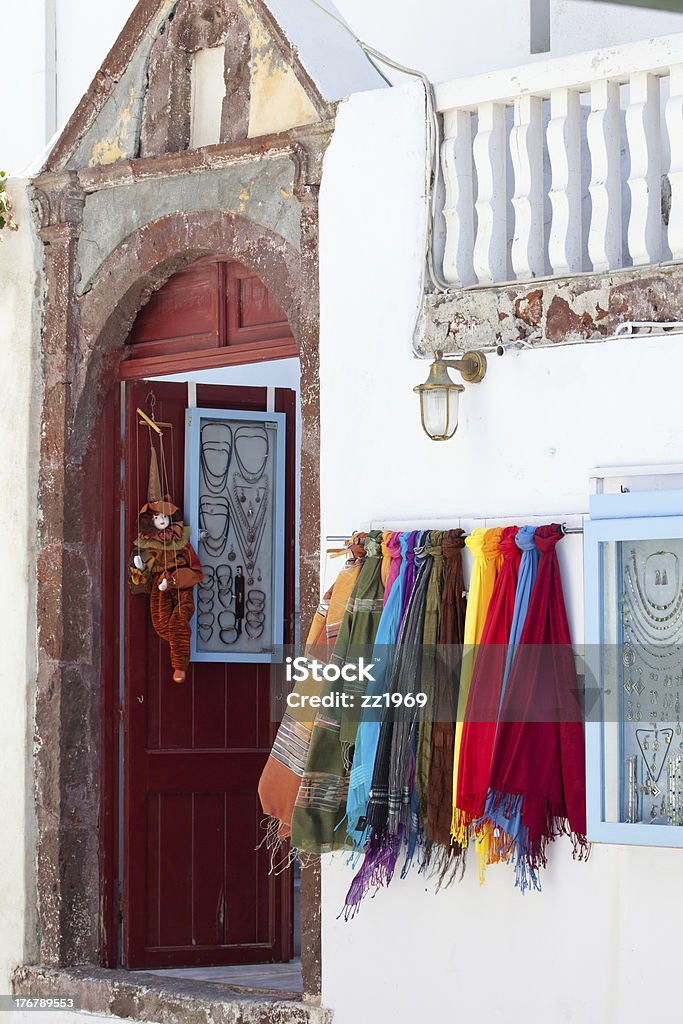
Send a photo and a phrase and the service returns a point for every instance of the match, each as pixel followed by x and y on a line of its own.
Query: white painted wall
pixel 581 951
pixel 20 395
pixel 445 38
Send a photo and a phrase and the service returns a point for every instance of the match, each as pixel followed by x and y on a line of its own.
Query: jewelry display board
pixel 634 640
pixel 651 680
pixel 235 484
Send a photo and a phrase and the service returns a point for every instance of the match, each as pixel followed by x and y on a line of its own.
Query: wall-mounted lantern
pixel 440 396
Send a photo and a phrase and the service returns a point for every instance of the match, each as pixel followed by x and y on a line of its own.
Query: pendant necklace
pixel 216 450
pixel 215 512
pixel 248 433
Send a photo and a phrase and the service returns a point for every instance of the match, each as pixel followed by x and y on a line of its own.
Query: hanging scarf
pixel 502 828
pixel 362 625
pixel 451 634
pixel 281 778
pixel 383 656
pixel 538 764
pixel 484 546
pixel 321 799
pixel 402 763
pixel 481 714
pixel 389 807
pixel 430 640
pixel 391 542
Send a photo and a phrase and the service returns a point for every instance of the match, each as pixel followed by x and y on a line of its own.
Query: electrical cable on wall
pixel 432 163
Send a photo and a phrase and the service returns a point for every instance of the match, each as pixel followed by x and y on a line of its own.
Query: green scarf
pixel 321 801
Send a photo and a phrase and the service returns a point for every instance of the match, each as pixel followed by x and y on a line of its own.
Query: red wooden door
pixel 196 889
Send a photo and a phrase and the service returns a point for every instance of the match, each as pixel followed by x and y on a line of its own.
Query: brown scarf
pixel 451 634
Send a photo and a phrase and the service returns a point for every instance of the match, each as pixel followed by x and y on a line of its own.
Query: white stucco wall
pixel 580 952
pixel 19 440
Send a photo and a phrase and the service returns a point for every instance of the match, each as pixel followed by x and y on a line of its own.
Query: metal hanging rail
pixel 346 538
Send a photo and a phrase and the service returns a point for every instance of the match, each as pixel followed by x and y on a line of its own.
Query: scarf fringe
pixel 445 865
pixel 282 856
pixel 376 871
pixel 347 756
pixel 460 826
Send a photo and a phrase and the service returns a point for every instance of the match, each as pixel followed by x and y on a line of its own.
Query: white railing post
pixel 604 142
pixel 644 180
pixel 500 231
pixel 564 150
pixel 490 246
pixel 456 160
pixel 526 151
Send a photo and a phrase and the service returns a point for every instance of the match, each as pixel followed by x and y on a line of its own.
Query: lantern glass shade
pixel 439 402
pixel 439 408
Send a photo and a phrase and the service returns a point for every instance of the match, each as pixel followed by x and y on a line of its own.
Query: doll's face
pixel 160 521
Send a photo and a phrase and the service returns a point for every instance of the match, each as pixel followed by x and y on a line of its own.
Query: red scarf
pixel 481 714
pixel 538 755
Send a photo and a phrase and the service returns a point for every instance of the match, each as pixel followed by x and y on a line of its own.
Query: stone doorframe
pixel 83 340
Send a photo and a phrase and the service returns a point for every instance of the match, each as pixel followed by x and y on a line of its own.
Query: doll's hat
pixel 155 501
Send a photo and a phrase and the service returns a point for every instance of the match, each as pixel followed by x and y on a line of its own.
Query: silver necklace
pixel 247 432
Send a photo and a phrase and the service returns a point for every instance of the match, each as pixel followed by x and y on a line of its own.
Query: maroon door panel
pixel 197 889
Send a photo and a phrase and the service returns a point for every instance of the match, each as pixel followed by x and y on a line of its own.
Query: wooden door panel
pixel 198 891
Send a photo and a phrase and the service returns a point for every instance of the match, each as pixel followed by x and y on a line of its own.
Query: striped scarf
pixel 284 769
pixel 321 801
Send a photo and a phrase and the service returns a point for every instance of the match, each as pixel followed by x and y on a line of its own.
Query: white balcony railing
pixel 565 166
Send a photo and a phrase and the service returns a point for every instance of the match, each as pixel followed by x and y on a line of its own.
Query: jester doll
pixel 164 565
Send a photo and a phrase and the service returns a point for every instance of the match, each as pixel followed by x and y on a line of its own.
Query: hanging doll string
pixel 163 471
pixel 152 401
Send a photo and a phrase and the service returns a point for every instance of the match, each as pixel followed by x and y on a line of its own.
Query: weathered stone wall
pixel 588 307
pixel 140 102
pixel 121 206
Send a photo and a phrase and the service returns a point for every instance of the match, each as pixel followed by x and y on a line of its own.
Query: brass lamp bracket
pixel 472 366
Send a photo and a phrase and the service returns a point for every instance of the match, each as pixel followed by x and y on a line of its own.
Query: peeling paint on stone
pixel 109 150
pixel 278 101
pixel 585 308
pixel 126 98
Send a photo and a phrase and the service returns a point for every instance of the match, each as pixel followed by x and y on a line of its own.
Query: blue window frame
pixel 235 497
pixel 633 573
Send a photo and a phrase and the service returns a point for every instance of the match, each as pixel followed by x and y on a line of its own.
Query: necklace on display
pixel 250 534
pixel 216 449
pixel 214 510
pixel 673 620
pixel 656 635
pixel 646 602
pixel 257 434
pixel 251 518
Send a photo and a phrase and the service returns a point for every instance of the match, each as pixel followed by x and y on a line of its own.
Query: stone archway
pixel 83 343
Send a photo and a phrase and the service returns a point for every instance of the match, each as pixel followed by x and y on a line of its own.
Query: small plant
pixel 6 216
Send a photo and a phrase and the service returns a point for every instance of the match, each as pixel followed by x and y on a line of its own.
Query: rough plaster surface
pixel 116 132
pixel 550 312
pixel 20 392
pixel 83 339
pixel 261 190
pixel 277 99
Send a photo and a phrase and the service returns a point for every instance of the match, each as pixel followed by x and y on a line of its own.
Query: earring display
pixel 235 475
pixel 650 626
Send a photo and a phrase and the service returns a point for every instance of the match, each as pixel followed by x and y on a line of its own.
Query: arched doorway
pixel 195 890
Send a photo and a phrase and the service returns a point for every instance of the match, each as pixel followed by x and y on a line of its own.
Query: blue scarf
pixel 367 737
